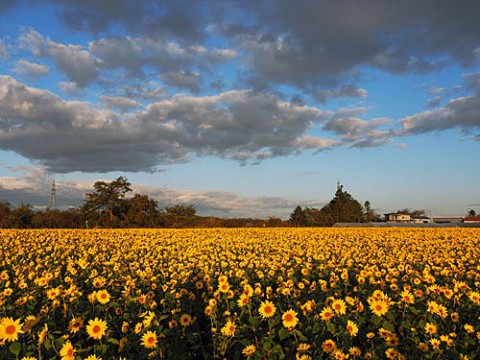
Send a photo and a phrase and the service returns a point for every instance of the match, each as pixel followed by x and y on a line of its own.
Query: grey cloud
pixel 66 136
pixel 472 81
pixel 123 104
pixel 31 70
pixel 79 65
pixel 325 41
pixel 462 113
pixel 347 124
pixel 70 88
pixel 134 53
pixel 150 91
pixel 368 143
pixel 226 203
pixel 434 101
pixel 316 45
pixel 189 80
pixel 32 185
pixel 344 91
pixel 182 19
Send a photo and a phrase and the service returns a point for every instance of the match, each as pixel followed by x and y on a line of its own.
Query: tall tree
pixel 297 217
pixel 180 216
pixel 343 208
pixel 107 203
pixel 142 211
pixel 370 214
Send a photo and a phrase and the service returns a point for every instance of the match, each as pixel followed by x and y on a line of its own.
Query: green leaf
pixel 388 326
pixel 101 348
pixel 278 351
pixel 406 324
pixel 300 336
pixel 47 343
pixel 15 348
pixel 254 320
pixel 283 333
pixel 331 327
pixel 390 316
pixel 267 345
pixel 272 323
pixel 114 341
pixel 59 342
pixel 376 319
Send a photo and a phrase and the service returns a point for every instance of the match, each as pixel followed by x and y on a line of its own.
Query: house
pixel 447 219
pixel 421 219
pixel 472 220
pixel 397 217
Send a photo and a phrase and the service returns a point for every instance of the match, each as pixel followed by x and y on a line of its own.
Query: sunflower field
pixel 284 293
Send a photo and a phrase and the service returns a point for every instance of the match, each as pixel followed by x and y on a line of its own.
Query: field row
pixel 356 293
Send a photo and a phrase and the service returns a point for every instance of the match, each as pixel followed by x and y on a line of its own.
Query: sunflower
pixel 407 297
pixel 224 287
pixel 289 319
pixel 329 346
pixel 379 307
pixel 93 357
pixel 303 347
pixel 243 300
pixel 430 328
pixel 435 343
pixel 475 297
pixel 149 340
pixel 75 324
pixel 267 309
pixel 53 293
pixel 96 328
pixel 249 350
pixel 185 320
pixel 228 329
pixel 355 351
pixel 352 328
pixel 67 352
pixel 327 313
pixel 103 296
pixel 339 306
pixel 10 329
pixel 43 334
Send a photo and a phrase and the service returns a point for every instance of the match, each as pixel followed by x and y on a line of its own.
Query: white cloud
pixel 32 41
pixel 462 113
pixel 31 70
pixel 347 124
pixel 70 136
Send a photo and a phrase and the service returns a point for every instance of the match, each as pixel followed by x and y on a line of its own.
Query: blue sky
pixel 243 108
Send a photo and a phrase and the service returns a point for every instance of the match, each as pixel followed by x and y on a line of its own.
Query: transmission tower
pixel 53 197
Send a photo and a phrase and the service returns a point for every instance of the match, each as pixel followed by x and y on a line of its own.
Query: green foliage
pixel 342 208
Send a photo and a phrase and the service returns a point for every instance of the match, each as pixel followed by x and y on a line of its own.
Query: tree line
pixel 343 208
pixel 108 206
